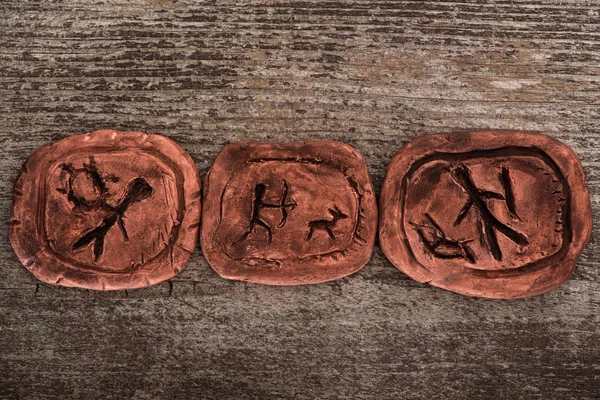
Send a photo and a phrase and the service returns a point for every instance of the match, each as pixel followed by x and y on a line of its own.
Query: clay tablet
pixel 493 214
pixel 288 214
pixel 106 210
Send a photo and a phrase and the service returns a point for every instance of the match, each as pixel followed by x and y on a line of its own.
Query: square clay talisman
pixel 288 214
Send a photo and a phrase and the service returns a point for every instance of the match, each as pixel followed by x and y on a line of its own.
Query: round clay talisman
pixel 106 210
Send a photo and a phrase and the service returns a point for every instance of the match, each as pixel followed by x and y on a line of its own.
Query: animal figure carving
pixel 438 244
pixel 326 225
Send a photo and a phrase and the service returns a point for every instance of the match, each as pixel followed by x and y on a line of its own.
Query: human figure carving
pixel 326 225
pixel 259 204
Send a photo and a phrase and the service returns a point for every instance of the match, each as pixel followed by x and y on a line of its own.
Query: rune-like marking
pixel 478 200
pixel 137 190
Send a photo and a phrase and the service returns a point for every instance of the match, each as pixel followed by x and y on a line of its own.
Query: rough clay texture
pixel 497 214
pixel 288 214
pixel 371 74
pixel 106 210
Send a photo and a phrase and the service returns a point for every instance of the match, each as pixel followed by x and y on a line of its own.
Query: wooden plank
pixel 370 73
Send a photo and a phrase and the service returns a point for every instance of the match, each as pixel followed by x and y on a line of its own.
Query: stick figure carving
pixel 259 204
pixel 137 190
pixel 326 224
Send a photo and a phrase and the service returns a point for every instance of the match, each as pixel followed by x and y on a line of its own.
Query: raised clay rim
pixel 513 283
pixel 36 256
pixel 314 269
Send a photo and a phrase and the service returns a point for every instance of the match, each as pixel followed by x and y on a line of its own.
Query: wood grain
pixel 373 74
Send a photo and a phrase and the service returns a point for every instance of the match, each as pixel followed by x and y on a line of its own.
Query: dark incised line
pixel 95 176
pixel 99 247
pixel 468 253
pixel 98 235
pixel 463 178
pixel 509 192
pixel 461 248
pixel 435 224
pixel 253 224
pixel 492 242
pixel 487 194
pixel 284 206
pixel 463 212
pixel 482 240
pixel 122 227
pixel 138 190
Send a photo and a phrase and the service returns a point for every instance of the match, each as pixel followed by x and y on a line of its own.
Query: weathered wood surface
pixel 371 73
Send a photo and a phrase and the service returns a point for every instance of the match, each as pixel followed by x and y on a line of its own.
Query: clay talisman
pixel 288 214
pixel 492 213
pixel 106 210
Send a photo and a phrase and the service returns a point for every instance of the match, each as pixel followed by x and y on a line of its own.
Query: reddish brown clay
pixel 106 210
pixel 288 214
pixel 494 214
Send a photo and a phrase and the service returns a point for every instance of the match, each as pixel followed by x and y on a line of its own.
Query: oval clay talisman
pixel 498 214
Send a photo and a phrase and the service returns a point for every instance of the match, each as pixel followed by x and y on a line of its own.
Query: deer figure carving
pixel 326 225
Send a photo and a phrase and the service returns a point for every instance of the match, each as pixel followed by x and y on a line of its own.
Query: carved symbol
pixel 326 224
pixel 137 190
pixel 440 245
pixel 80 202
pixel 508 192
pixel 259 204
pixel 477 198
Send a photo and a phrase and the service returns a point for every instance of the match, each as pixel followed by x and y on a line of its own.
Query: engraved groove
pixel 501 152
pixel 462 177
pixel 358 192
pixel 137 190
pixel 509 193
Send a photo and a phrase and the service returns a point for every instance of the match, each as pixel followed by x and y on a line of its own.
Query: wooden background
pixel 371 73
